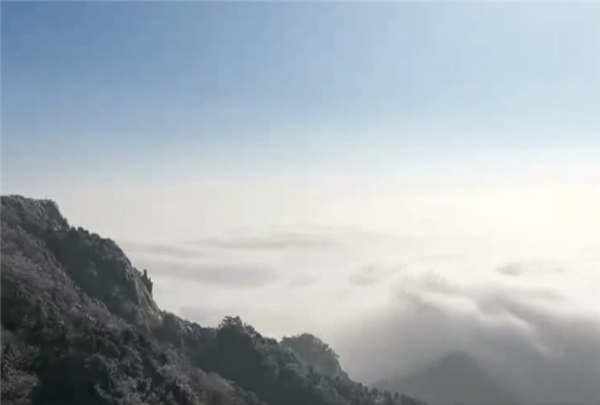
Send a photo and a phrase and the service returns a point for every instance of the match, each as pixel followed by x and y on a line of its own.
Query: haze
pixel 400 179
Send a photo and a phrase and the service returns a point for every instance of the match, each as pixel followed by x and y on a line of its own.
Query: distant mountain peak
pixel 458 360
pixel 455 378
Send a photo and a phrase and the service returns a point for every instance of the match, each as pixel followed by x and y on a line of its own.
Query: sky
pixel 401 179
pixel 192 90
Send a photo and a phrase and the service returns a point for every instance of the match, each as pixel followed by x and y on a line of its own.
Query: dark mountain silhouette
pixel 80 326
pixel 456 379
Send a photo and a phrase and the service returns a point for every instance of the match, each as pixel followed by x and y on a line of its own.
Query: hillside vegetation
pixel 80 326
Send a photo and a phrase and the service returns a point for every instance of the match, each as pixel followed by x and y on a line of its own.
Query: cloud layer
pixel 530 320
pixel 535 339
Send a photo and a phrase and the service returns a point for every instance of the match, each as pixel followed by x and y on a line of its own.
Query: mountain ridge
pixel 79 325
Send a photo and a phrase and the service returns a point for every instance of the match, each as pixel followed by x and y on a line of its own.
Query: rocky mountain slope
pixel 80 326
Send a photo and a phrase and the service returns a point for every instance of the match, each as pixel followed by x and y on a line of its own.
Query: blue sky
pixel 164 91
